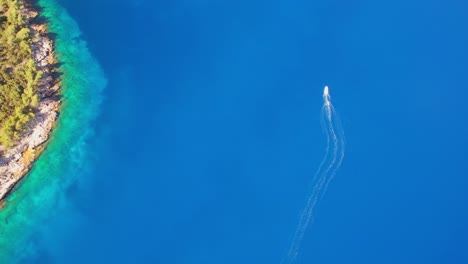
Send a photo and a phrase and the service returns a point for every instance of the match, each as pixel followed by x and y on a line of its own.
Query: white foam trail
pixel 325 173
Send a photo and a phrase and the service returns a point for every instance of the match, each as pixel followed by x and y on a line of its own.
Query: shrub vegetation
pixel 19 75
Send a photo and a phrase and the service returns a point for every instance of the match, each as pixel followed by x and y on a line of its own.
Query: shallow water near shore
pixel 41 195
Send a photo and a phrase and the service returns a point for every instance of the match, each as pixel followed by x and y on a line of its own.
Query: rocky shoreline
pixel 17 161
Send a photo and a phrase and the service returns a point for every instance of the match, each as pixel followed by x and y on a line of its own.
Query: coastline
pixel 40 207
pixel 17 161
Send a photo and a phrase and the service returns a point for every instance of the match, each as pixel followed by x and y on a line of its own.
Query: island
pixel 29 90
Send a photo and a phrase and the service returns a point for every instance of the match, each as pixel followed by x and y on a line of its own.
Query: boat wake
pixel 325 173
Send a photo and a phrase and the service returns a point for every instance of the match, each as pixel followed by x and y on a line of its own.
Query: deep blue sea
pixel 202 144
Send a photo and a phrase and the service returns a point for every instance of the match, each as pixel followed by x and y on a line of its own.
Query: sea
pixel 190 133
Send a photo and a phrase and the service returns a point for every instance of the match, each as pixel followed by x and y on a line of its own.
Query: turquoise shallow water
pixel 62 165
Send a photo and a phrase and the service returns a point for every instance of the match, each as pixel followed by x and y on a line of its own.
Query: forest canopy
pixel 19 75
